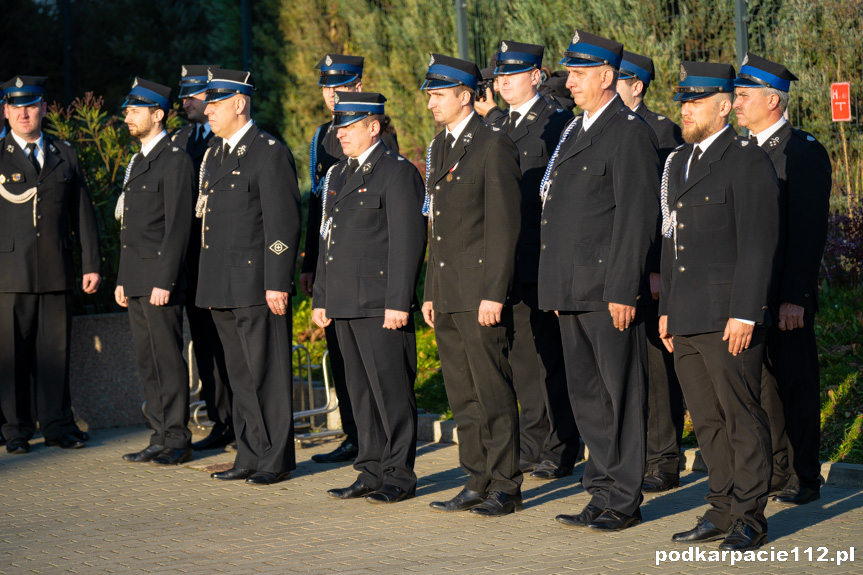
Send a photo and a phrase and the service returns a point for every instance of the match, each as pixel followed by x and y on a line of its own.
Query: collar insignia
pixel 336 98
pixel 660 117
pixel 531 117
pixel 241 151
pixel 810 138
pixel 271 142
pixel 2 179
pixel 630 117
pixel 52 148
pixel 468 137
pixel 774 141
pixel 10 148
pixel 367 167
pixel 744 143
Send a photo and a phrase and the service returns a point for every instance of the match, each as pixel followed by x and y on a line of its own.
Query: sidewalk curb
pixel 430 428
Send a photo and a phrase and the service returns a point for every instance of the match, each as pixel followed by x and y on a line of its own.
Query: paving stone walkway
pixel 89 512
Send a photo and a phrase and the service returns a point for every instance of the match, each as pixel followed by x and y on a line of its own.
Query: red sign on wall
pixel 840 101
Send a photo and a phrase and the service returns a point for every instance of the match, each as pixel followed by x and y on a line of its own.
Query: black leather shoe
pixel 796 495
pixel 742 538
pixel 703 531
pixel 267 477
pixel 777 483
pixel 657 481
pixel 613 520
pixel 498 503
pixel 145 454
pixel 347 451
pixel 173 456
pixel 548 470
pixel 218 439
pixel 526 466
pixel 232 446
pixel 583 519
pixel 465 500
pixel 389 494
pixel 355 490
pixel 232 473
pixel 66 441
pixel 19 446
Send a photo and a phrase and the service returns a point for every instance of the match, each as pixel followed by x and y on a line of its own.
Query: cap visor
pixel 333 80
pixel 687 96
pixel 135 103
pixel 27 100
pixel 188 91
pixel 579 62
pixel 512 69
pixel 341 120
pixel 747 83
pixel 216 96
pixel 435 84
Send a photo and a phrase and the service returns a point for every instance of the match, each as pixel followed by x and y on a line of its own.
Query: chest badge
pixel 16 177
pixel 2 179
pixel 449 177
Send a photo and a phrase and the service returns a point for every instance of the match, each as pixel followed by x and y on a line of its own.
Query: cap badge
pixel 682 73
pixel 328 61
pixel 19 83
pixel 503 47
pixel 278 248
pixel 431 60
pixel 745 59
pixel 241 151
pixel 183 71
pixel 135 83
pixel 209 75
pixel 336 98
pixel 575 37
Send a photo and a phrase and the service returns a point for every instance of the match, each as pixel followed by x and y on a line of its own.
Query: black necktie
pixel 226 149
pixel 447 148
pixel 198 130
pixel 352 167
pixel 696 155
pixel 32 154
pixel 513 119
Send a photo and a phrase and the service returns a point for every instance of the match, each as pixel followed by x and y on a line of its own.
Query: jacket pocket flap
pixel 706 198
pixel 361 200
pixel 371 267
pixel 595 255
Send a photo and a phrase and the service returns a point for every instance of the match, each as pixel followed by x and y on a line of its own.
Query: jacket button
pixel 361 203
pixel 544 222
pixel 555 173
pixel 124 247
pixel 706 198
pixel 525 152
pixel 600 261
pixel 542 247
pixel 382 272
pixel 39 235
pixel 336 209
pixel 335 226
pixel 438 238
pixel 680 226
pixel 680 248
pixel 437 212
pixel 584 168
pixel 127 209
pixel 638 297
pixel 806 295
pixel 441 264
pixel 764 307
pixel 207 229
pixel 437 187
pixel 39 217
pixel 38 199
pixel 206 247
pixel 330 258
pixel 208 210
pixel 681 269
pixel 679 204
pixel 479 262
pixel 158 253
pixel 250 262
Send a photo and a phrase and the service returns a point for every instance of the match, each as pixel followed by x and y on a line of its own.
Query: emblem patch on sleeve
pixel 278 248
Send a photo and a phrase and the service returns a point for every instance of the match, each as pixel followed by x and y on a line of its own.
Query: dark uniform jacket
pixel 600 215
pixel 668 137
pixel 475 219
pixel 536 137
pixel 183 138
pixel 727 233
pixel 372 260
pixel 36 238
pixel 804 172
pixel 157 219
pixel 327 153
pixel 251 224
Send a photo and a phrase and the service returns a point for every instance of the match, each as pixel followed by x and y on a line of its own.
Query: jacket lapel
pixel 530 118
pixel 52 158
pixel 713 154
pixel 459 148
pixel 594 131
pixel 142 163
pixel 358 179
pixel 233 160
pixel 778 138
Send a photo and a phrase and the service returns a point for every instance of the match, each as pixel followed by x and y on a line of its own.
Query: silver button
pixel 206 247
pixel 250 262
pixel 680 248
pixel 39 217
pixel 681 269
pixel 437 212
pixel 437 187
pixel 680 226
pixel 584 168
pixel 208 210
pixel 337 209
pixel 600 261
pixel 438 238
pixel 382 272
pixel 124 247
pixel 207 228
pixel 542 247
pixel 441 264
pixel 480 262
pixel 706 198
pixel 679 204
pixel 330 258
pixel 361 203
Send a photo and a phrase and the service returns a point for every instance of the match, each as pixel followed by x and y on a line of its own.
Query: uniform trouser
pixel 546 423
pixel 606 371
pixel 258 346
pixel 382 367
pixel 478 381
pixel 337 363
pixel 35 331
pixel 210 357
pixel 790 394
pixel 665 408
pixel 723 394
pixel 157 332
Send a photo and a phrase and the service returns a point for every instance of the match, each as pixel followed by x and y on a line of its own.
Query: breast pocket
pixel 462 189
pixel 362 211
pixel 709 210
pixel 588 174
pixel 233 192
pixel 142 194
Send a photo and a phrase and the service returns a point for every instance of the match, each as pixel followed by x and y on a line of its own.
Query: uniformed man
pixel 720 226
pixel 664 399
pixel 44 211
pixel 549 437
pixel 338 73
pixel 374 242
pixel 155 213
pixel 196 137
pixel 473 204
pixel 600 208
pixel 790 380
pixel 249 203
